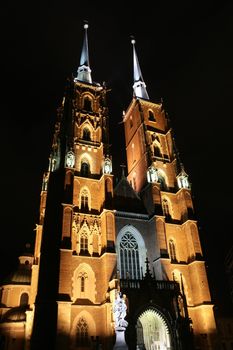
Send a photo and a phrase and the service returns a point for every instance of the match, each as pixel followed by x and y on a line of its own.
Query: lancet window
pixel 84 200
pixel 82 333
pixel 129 257
pixel 84 241
pixel 85 168
pixel 172 250
pixel 165 206
pixel 87 104
pixel 86 134
pixel 151 116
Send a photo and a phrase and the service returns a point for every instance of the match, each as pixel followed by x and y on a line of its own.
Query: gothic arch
pixel 162 179
pixel 85 198
pixel 85 157
pixel 172 249
pixel 153 331
pixel 87 102
pixel 167 207
pixel 156 149
pixel 86 132
pixel 151 115
pixel 89 292
pixel 91 327
pixel 24 298
pixel 135 255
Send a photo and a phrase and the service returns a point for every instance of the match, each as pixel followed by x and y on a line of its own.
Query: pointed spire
pixel 84 71
pixel 139 86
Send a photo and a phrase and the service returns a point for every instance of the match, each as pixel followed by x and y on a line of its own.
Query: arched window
pixel 161 180
pixel 87 104
pixel 82 284
pixel 152 331
pixel 129 257
pixel 86 134
pixel 82 333
pixel 84 200
pixel 85 168
pixel 157 151
pixel 84 242
pixel 24 299
pixel 151 116
pixel 165 206
pixel 172 250
pixel 82 277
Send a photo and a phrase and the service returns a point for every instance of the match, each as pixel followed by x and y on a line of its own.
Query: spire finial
pixel 84 71
pixel 139 86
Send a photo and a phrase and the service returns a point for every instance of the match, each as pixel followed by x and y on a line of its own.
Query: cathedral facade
pixel 115 266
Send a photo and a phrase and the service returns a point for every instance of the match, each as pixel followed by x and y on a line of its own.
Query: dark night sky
pixel 185 51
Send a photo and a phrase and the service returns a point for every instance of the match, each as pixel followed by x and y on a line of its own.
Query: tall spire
pixel 84 71
pixel 139 86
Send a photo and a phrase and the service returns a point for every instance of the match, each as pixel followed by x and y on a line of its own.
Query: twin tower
pixel 114 266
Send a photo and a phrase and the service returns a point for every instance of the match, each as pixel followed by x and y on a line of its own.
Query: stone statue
pixel 119 310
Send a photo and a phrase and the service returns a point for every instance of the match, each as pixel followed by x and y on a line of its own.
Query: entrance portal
pixel 152 331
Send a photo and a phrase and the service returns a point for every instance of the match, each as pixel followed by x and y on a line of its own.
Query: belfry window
pixel 82 333
pixel 172 250
pixel 157 151
pixel 86 134
pixel 129 257
pixel 151 117
pixel 85 168
pixel 87 104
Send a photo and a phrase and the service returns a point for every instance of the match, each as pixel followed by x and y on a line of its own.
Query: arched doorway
pixel 152 331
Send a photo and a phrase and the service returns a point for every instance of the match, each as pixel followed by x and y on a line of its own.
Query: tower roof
pixel 139 85
pixel 84 71
pixel 126 199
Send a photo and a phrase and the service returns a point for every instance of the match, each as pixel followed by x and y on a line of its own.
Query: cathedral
pixel 116 265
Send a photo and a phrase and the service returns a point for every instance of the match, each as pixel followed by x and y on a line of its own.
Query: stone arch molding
pixel 153 331
pixel 141 246
pixel 90 323
pixel 90 283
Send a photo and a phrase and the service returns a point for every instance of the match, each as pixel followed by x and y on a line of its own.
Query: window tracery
pixel 129 256
pixel 82 333
pixel 84 200
pixel 165 206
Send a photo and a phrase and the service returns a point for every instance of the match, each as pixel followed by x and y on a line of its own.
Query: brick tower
pixel 114 267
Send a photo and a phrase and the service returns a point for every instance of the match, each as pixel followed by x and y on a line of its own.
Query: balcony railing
pixel 158 285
